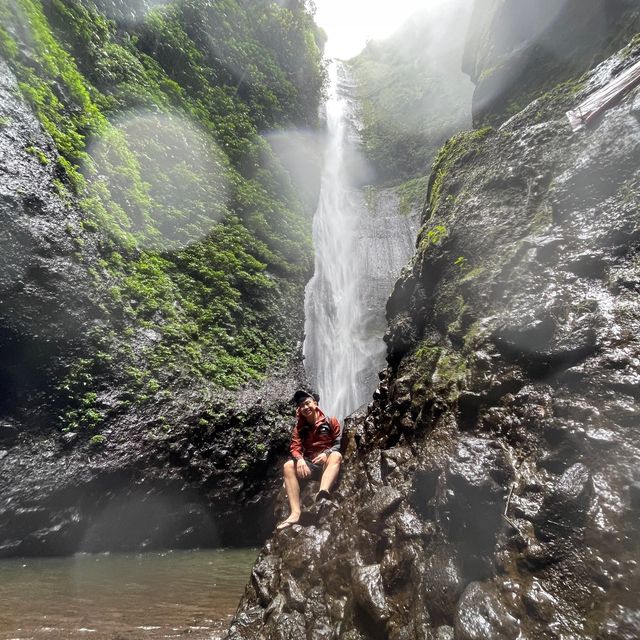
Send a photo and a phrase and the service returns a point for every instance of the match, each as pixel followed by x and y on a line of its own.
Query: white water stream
pixel 360 246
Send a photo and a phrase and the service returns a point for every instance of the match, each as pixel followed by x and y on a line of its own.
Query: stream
pixel 171 594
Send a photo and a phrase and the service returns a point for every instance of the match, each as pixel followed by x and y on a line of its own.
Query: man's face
pixel 307 408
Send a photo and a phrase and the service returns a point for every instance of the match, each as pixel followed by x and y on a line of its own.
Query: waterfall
pixel 360 243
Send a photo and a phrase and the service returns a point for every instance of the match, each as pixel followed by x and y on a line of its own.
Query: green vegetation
pixel 455 149
pixel 412 194
pixel 38 153
pixel 413 96
pixel 97 441
pixel 433 236
pixel 193 235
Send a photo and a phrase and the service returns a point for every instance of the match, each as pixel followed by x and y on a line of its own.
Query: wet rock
pixel 294 594
pixel 400 337
pixel 566 506
pixel 522 470
pixel 442 583
pixel 396 567
pixel 481 615
pixel 540 603
pixel 477 485
pixel 588 265
pixel 69 439
pixel 444 633
pixel 409 525
pixel 384 502
pixel 288 627
pixel 621 624
pixel 8 433
pixel 634 495
pixel 366 583
pixel 303 554
pixel 275 607
pixel 538 556
pixel 265 578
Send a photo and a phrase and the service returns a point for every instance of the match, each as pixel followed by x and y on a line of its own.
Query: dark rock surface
pixel 490 490
pixel 45 305
pixel 518 49
pixel 202 469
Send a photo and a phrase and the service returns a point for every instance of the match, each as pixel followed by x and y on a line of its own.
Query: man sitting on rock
pixel 315 453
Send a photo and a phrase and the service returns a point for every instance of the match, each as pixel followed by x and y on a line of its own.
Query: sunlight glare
pixel 349 24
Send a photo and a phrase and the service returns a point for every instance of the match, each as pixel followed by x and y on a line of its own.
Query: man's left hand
pixel 321 458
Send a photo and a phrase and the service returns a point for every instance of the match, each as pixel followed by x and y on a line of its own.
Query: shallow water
pixel 174 594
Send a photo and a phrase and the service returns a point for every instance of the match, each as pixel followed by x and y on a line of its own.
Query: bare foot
pixel 292 519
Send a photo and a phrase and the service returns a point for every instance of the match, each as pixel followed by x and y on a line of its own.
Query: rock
pixel 289 627
pixel 539 603
pixel 477 485
pixel 409 526
pixel 513 50
pixel 294 594
pixel 8 433
pixel 480 615
pixel 265 578
pixel 621 624
pixel 303 554
pixel 444 633
pixel 634 495
pixel 366 583
pixel 442 583
pixel 521 469
pixel 565 507
pixel 384 501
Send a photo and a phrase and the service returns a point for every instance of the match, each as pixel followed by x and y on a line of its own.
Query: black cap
pixel 301 395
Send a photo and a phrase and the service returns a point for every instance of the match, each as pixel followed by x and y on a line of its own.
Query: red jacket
pixel 309 441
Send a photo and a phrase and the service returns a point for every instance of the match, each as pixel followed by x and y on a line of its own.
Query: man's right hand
pixel 302 469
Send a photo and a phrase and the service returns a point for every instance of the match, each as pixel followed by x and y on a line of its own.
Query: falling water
pixel 359 251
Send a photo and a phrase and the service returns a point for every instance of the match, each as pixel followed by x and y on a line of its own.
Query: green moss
pixel 38 153
pixel 97 441
pixel 456 148
pixel 542 218
pixel 472 274
pixel 432 236
pixel 190 272
pixel 631 47
pixel 426 357
pixel 412 194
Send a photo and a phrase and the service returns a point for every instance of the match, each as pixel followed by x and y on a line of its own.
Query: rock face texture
pixel 518 49
pixel 491 489
pixel 184 473
pixel 45 299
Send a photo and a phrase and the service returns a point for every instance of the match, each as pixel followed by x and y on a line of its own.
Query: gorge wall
pixel 519 49
pixel 490 490
pixel 150 235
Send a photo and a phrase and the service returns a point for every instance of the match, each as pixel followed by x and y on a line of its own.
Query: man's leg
pixel 330 473
pixel 292 487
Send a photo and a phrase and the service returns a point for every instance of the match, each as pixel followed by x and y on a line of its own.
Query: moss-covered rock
pixel 157 249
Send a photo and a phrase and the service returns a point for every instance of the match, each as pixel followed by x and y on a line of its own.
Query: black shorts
pixel 316 470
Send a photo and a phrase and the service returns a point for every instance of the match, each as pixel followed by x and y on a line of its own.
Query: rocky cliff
pixel 491 489
pixel 154 255
pixel 518 49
